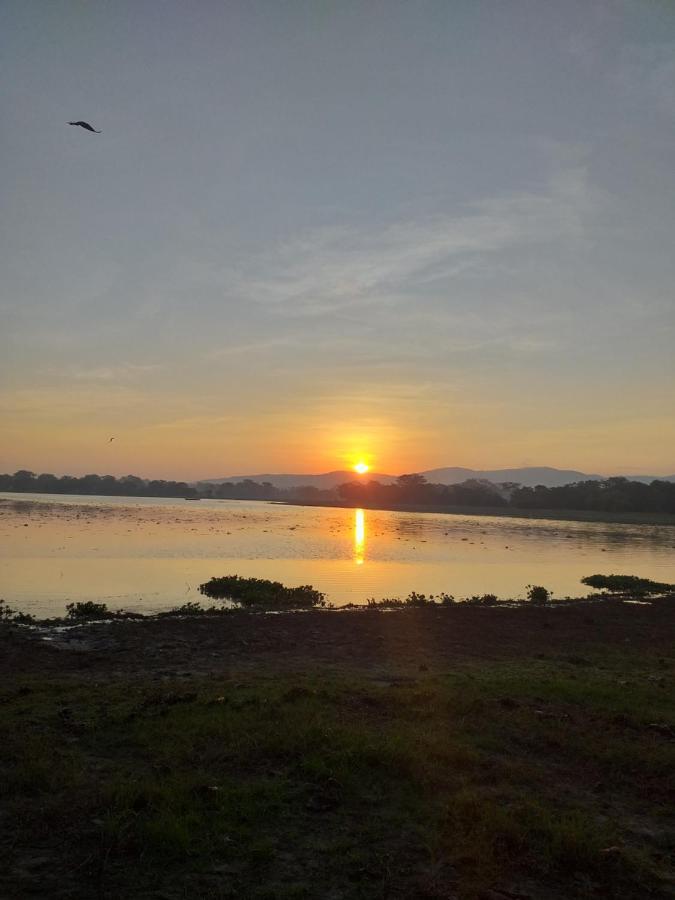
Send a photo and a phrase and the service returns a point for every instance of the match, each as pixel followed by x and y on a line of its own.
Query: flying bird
pixel 86 125
pixel 111 440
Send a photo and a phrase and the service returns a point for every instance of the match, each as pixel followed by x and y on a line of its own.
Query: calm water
pixel 148 554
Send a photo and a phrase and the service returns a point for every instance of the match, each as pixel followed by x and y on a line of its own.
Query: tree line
pixel 99 485
pixel 415 490
pixel 609 495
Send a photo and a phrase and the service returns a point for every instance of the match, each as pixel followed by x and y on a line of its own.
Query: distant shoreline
pixel 569 515
pixel 507 512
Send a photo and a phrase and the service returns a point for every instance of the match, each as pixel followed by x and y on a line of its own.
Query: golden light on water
pixel 359 537
pixel 361 467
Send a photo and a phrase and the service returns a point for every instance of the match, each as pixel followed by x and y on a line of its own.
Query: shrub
pixel 627 584
pixel 88 610
pixel 538 595
pixel 482 600
pixel 413 599
pixel 12 617
pixel 261 592
pixel 385 603
pixel 193 609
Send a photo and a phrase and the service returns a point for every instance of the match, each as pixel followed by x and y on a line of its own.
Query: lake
pixel 150 554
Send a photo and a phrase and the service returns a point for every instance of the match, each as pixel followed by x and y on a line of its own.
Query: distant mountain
pixel 529 476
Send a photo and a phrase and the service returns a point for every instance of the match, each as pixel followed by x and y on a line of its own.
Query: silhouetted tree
pixel 46 483
pixel 610 495
pixel 23 480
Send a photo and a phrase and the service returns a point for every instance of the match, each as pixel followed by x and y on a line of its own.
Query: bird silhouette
pixel 86 125
pixel 111 440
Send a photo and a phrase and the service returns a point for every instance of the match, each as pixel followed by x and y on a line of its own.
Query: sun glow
pixel 361 467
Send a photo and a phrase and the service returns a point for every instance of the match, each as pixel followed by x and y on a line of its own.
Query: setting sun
pixel 361 468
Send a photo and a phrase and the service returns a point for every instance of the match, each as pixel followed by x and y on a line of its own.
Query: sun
pixel 361 468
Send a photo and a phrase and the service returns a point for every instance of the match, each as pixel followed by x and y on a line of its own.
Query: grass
pixel 546 778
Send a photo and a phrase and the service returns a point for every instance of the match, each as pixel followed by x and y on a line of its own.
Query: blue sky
pixel 426 233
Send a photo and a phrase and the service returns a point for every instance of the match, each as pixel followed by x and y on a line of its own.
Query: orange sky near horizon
pixel 204 447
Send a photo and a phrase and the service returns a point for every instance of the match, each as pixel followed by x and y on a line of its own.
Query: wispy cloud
pixel 54 404
pixel 192 423
pixel 250 347
pixel 333 269
pixel 113 373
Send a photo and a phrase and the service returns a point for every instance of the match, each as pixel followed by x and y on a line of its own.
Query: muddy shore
pixel 370 641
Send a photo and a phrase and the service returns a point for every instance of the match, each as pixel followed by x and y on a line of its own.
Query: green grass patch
pixel 547 778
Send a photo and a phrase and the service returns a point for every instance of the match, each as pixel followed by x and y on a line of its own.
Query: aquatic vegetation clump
pixel 261 592
pixel 630 585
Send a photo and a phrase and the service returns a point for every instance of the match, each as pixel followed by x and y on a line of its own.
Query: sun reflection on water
pixel 359 537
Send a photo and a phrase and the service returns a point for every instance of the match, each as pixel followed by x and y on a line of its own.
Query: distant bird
pixel 111 440
pixel 86 125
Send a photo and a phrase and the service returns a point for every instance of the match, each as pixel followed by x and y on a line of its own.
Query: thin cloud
pixel 252 347
pixel 121 372
pixel 51 403
pixel 331 270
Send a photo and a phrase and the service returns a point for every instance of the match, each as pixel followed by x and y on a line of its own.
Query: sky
pixel 418 233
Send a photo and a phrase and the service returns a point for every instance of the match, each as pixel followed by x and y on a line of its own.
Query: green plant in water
pixel 630 585
pixel 261 592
